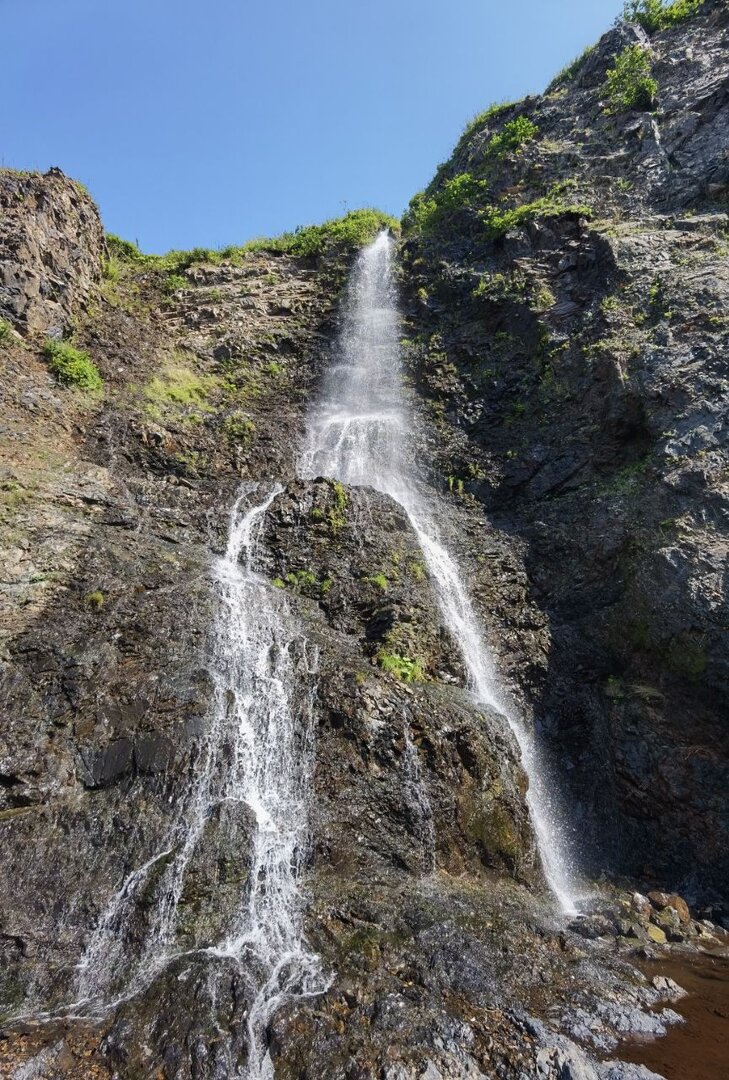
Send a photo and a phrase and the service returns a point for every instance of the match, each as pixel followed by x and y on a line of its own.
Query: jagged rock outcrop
pixel 573 355
pixel 51 243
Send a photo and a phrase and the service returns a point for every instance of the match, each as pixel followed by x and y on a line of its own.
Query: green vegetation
pixel 122 249
pixel 303 580
pixel 238 427
pixel 95 599
pixel 656 15
pixel 71 366
pixel 402 667
pixel 173 282
pixel 337 517
pixel 630 84
pixel 6 332
pixel 512 137
pixel 425 214
pixel 553 204
pixel 355 229
pixel 567 74
pixel 417 570
pixel 179 389
pixel 481 119
pixel 380 580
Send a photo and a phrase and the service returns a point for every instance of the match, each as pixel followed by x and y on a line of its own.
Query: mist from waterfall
pixel 359 433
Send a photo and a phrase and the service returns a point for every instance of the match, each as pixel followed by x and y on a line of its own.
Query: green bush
pixel 426 215
pixel 655 15
pixel 238 427
pixel 481 119
pixel 630 84
pixel 71 366
pixel 512 137
pixel 6 332
pixel 380 580
pixel 173 282
pixel 122 249
pixel 402 667
pixel 498 222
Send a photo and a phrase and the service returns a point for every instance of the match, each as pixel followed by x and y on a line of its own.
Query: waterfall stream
pixel 359 434
pixel 257 756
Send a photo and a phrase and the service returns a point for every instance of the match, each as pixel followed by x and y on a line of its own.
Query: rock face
pixel 573 357
pixel 570 378
pixel 51 243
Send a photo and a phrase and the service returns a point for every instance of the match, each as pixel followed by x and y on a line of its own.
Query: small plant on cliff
pixel 512 137
pixel 402 667
pixel 6 332
pixel 498 222
pixel 567 74
pixel 71 366
pixel 427 214
pixel 238 427
pixel 630 84
pixel 122 249
pixel 655 15
pixel 481 119
pixel 380 580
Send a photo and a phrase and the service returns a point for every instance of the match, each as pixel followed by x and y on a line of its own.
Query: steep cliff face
pixel 568 283
pixel 566 360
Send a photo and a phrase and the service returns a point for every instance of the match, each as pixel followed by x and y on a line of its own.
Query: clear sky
pixel 208 122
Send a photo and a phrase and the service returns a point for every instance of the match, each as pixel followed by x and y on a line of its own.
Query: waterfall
pixel 256 756
pixel 359 433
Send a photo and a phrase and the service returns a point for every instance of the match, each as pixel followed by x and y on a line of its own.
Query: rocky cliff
pixel 565 281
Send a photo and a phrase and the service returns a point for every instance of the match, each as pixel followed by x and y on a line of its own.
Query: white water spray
pixel 258 751
pixel 358 433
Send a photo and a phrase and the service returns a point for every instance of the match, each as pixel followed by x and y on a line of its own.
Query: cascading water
pixel 358 433
pixel 257 752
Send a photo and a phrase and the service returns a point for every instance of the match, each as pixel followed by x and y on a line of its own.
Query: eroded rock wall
pixel 574 362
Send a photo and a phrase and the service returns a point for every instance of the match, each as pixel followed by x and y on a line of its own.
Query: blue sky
pixel 207 122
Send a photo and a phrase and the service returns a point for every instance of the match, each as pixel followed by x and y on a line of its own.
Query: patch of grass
pixel 426 214
pixel 512 137
pixel 567 74
pixel 238 427
pixel 95 599
pixel 123 249
pixel 498 222
pixel 654 15
pixel 630 84
pixel 304 580
pixel 178 389
pixel 355 229
pixel 480 120
pixel 402 667
pixel 72 367
pixel 6 332
pixel 173 283
pixel 380 580
pixel 417 570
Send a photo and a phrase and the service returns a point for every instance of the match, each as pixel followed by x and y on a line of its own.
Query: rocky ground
pixel 570 379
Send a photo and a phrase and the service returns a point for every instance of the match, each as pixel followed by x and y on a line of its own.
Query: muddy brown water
pixel 699 1048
